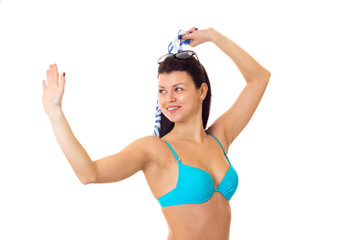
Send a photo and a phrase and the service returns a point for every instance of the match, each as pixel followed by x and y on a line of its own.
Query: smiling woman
pixel 185 101
pixel 187 167
pixel 192 75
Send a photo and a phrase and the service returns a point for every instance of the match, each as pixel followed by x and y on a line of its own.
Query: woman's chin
pixel 173 119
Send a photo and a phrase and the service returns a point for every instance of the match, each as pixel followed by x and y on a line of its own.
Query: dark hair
pixel 198 74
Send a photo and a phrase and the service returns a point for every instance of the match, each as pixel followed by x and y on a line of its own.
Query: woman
pixel 187 168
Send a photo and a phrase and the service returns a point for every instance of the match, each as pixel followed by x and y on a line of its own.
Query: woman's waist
pixel 199 219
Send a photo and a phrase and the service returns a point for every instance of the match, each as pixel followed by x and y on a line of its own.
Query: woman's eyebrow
pixel 173 85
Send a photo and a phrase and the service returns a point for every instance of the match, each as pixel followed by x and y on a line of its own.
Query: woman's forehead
pixel 166 79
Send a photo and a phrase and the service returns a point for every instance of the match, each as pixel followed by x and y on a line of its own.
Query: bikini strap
pixel 219 143
pixel 172 150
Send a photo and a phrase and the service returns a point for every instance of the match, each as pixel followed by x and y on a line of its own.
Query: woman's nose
pixel 170 97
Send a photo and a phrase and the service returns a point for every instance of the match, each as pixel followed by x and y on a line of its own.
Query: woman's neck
pixel 189 131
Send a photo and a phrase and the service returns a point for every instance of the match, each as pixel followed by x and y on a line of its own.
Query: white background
pixel 297 159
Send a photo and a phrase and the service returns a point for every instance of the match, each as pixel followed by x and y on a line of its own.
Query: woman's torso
pixel 206 220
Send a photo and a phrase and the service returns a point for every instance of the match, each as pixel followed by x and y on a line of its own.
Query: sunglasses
pixel 184 55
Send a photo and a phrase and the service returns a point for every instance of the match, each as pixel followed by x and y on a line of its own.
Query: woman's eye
pixel 178 88
pixel 161 91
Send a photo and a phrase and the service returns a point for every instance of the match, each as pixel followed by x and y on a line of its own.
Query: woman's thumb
pixel 44 85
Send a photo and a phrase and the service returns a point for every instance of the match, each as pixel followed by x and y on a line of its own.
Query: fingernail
pixel 64 74
pixel 196 29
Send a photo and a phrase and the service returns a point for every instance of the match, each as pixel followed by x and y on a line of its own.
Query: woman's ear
pixel 203 91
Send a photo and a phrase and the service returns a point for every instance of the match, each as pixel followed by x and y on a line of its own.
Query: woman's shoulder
pixel 220 136
pixel 154 148
pixel 149 138
pixel 151 144
pixel 149 141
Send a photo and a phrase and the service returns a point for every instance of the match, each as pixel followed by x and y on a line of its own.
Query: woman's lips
pixel 173 109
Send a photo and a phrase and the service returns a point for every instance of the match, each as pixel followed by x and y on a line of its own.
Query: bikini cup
pixel 195 185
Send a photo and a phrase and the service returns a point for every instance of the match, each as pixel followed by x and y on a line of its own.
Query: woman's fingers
pixel 189 33
pixel 52 75
pixel 193 36
pixel 193 29
pixel 53 89
pixel 198 36
pixel 187 36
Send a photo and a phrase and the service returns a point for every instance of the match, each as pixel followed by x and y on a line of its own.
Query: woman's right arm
pixel 131 159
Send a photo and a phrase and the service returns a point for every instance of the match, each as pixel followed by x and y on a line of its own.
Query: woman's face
pixel 179 99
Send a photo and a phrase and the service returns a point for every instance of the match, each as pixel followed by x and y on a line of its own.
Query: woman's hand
pixel 53 91
pixel 199 36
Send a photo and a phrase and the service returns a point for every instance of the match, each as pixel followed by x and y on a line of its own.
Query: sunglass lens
pixel 163 58
pixel 184 55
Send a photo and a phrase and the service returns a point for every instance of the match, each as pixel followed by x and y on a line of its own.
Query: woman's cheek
pixel 161 102
pixel 181 97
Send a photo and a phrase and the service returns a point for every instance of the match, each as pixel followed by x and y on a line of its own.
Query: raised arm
pixel 229 125
pixel 137 156
pixel 113 168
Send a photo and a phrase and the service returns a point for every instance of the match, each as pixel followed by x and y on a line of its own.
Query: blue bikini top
pixel 195 185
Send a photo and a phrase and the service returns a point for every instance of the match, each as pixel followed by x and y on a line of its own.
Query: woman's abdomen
pixel 209 220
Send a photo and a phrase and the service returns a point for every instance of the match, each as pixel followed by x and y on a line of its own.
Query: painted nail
pixel 64 74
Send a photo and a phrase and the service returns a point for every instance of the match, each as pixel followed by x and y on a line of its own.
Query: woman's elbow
pixel 266 76
pixel 87 180
pixel 269 75
pixel 262 77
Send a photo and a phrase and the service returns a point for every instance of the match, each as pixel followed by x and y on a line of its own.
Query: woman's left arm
pixel 229 125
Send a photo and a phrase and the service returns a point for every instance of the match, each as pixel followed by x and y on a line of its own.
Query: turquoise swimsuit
pixel 195 185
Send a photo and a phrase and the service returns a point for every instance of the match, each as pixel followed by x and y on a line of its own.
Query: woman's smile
pixel 173 109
